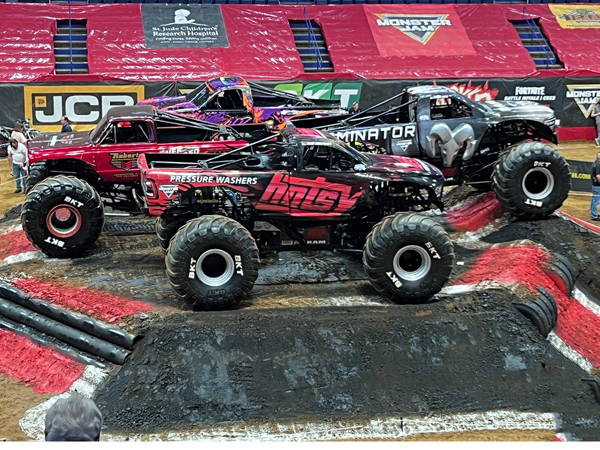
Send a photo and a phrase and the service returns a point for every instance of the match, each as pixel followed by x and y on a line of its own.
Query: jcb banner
pixel 577 15
pixel 408 30
pixel 83 105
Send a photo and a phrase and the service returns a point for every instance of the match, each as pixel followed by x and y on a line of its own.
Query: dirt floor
pixel 16 398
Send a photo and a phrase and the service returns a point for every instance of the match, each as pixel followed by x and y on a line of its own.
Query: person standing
pixel 596 188
pixel 66 128
pixel 596 115
pixel 17 158
pixel 355 108
pixel 17 134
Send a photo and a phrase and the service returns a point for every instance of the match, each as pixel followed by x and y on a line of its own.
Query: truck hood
pixel 50 141
pixel 401 164
pixel 178 104
pixel 517 110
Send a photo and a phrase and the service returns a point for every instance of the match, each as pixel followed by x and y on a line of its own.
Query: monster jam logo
pixel 124 161
pixel 586 96
pixel 168 189
pixel 418 27
pixel 83 105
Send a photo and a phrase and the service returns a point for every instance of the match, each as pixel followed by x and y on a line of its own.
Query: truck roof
pixel 131 112
pixel 423 91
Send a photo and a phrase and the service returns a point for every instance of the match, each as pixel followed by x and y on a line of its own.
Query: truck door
pixel 119 147
pixel 447 130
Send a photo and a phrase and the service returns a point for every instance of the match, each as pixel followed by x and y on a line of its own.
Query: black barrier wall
pixel 581 178
pixel 572 99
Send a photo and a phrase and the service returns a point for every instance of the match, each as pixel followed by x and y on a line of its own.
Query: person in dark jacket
pixel 66 128
pixel 596 188
pixel 73 419
pixel 355 109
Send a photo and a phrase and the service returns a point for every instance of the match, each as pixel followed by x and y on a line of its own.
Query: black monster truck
pixel 304 190
pixel 494 145
pixel 73 175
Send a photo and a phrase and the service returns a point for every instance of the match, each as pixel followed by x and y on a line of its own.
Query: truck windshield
pixel 98 129
pixel 198 96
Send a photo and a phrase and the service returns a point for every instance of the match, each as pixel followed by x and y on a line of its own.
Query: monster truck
pixel 306 190
pixel 232 100
pixel 73 175
pixel 496 145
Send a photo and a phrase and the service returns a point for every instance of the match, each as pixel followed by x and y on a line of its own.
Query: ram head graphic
pixel 447 143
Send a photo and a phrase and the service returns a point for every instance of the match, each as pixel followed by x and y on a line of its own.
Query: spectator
pixel 66 128
pixel 355 109
pixel 17 134
pixel 596 115
pixel 17 159
pixel 73 419
pixel 596 188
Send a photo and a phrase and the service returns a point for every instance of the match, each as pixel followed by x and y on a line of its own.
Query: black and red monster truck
pixel 73 175
pixel 497 145
pixel 306 190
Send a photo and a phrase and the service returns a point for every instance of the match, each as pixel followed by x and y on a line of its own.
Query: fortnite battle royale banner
pixel 577 15
pixel 410 30
pixel 183 26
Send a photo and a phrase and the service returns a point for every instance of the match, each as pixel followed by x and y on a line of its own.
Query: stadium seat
pixel 260 2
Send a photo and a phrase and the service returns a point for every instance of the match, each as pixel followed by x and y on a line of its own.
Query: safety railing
pixel 313 40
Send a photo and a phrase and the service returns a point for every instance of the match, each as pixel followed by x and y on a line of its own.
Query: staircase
pixel 311 46
pixel 70 47
pixel 536 44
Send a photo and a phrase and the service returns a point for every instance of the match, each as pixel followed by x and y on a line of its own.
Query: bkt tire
pixel 532 180
pixel 408 257
pixel 212 262
pixel 166 228
pixel 37 173
pixel 62 216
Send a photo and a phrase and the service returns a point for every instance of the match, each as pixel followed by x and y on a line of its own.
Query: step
pixel 67 51
pixel 73 31
pixel 74 44
pixel 313 58
pixel 72 37
pixel 74 72
pixel 308 44
pixel 549 67
pixel 66 59
pixel 318 37
pixel 535 48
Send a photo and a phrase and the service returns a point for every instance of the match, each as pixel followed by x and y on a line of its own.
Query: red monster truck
pixel 72 175
pixel 306 190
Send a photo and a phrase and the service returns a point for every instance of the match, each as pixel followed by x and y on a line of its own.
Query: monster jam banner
pixel 577 15
pixel 83 103
pixel 581 178
pixel 409 30
pixel 581 94
pixel 184 26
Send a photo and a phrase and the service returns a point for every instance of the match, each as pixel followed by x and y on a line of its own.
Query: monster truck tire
pixel 212 262
pixel 62 216
pixel 542 311
pixel 532 180
pixel 562 272
pixel 408 257
pixel 166 228
pixel 3 147
pixel 37 172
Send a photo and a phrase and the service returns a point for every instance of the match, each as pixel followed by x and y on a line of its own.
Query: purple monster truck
pixel 232 101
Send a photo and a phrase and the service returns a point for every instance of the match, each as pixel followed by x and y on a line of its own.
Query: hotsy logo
pixel 83 105
pixel 585 95
pixel 418 27
pixel 346 93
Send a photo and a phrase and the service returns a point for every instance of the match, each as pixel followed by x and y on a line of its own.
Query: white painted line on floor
pixel 569 352
pixel 377 429
pixel 32 422
pixel 10 229
pixel 21 257
pixel 586 302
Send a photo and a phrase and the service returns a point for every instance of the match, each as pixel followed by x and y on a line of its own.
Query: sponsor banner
pixel 577 15
pixel 83 104
pixel 581 94
pixel 581 178
pixel 183 26
pixel 545 91
pixel 409 30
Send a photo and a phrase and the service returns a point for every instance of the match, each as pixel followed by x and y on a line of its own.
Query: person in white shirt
pixel 18 134
pixel 17 158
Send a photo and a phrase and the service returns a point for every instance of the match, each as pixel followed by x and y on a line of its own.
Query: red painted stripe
pixel 577 326
pixel 102 305
pixel 583 223
pixel 13 243
pixel 576 133
pixel 42 368
pixel 476 214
